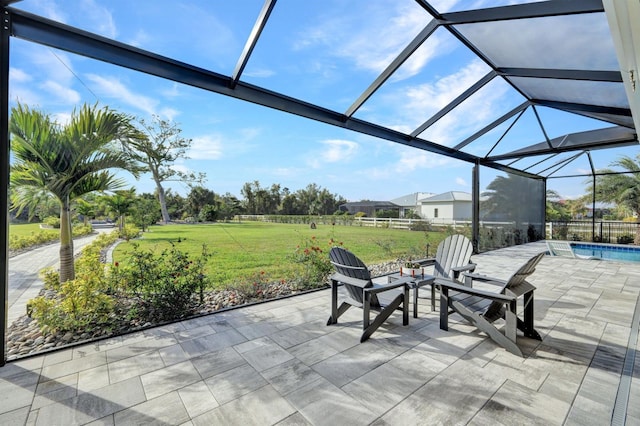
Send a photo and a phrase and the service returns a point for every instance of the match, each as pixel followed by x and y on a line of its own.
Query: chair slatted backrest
pixel 348 264
pixel 495 310
pixel 560 248
pixel 453 251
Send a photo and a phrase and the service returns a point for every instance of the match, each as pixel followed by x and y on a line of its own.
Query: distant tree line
pixel 312 200
pixel 199 205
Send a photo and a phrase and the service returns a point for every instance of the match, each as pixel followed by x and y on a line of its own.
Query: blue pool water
pixel 620 253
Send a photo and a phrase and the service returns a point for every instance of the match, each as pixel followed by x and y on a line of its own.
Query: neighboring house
pixel 411 202
pixel 602 209
pixel 368 207
pixel 446 207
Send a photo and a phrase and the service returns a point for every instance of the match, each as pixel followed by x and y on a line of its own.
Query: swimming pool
pixel 607 252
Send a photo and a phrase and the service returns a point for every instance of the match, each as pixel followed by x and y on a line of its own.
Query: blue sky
pixel 323 52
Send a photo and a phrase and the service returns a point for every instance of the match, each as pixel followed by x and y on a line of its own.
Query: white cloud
pixel 61 92
pixel 62 118
pixel 429 98
pixel 460 181
pixel 338 150
pixel 169 113
pixel 113 88
pixel 50 9
pixel 20 87
pixel 412 159
pixel 207 147
pixel 50 72
pixel 172 92
pixel 17 75
pixel 380 33
pixel 100 19
pixel 56 65
pixel 140 39
pixel 333 151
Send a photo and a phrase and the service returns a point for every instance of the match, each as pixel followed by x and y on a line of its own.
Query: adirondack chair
pixel 560 248
pixel 452 258
pixel 363 293
pixel 482 307
pixel 563 248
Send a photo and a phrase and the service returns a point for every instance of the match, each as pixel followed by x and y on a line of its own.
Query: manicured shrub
pixel 52 221
pixel 165 283
pixel 80 304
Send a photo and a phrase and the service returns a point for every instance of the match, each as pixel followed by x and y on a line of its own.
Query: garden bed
pixel 24 336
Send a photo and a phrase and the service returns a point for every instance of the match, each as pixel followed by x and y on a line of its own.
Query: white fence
pixel 382 222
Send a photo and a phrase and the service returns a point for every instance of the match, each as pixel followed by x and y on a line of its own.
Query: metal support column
pixel 475 202
pixel 4 182
pixel 543 230
pixel 593 211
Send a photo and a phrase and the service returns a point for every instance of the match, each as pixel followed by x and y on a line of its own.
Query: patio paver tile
pixel 264 355
pixel 64 368
pixel 94 378
pixel 166 409
pixel 105 421
pixel 263 406
pixel 323 403
pixel 296 419
pixel 15 418
pixel 88 407
pixel 344 367
pixel 539 408
pixel 382 388
pixel 168 379
pixel 214 342
pixel 134 366
pixel 140 345
pixel 192 333
pixel 173 354
pixel 54 390
pixel 14 396
pixel 197 398
pixel 234 383
pixel 217 362
pixel 290 376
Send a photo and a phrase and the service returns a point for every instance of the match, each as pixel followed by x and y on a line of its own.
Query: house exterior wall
pixel 447 210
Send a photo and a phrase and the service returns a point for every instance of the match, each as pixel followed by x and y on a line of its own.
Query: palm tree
pixel 120 203
pixel 623 189
pixel 85 209
pixel 66 161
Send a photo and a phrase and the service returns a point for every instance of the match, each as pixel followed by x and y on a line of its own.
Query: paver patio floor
pixel 278 363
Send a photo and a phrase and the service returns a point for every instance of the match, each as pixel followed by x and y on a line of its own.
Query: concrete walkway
pixel 24 270
pixel 278 363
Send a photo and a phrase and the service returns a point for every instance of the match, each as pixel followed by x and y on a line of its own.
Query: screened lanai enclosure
pixel 522 93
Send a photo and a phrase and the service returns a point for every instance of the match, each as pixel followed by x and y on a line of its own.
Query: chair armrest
pixel 379 288
pixel 484 278
pixel 468 267
pixel 425 262
pixel 497 297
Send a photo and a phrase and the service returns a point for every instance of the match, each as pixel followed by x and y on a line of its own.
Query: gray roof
pixel 371 204
pixel 448 196
pixel 411 199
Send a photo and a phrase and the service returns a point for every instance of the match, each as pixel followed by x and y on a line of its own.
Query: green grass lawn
pixel 243 249
pixel 25 229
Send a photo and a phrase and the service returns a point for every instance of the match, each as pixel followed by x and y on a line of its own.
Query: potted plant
pixel 412 269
